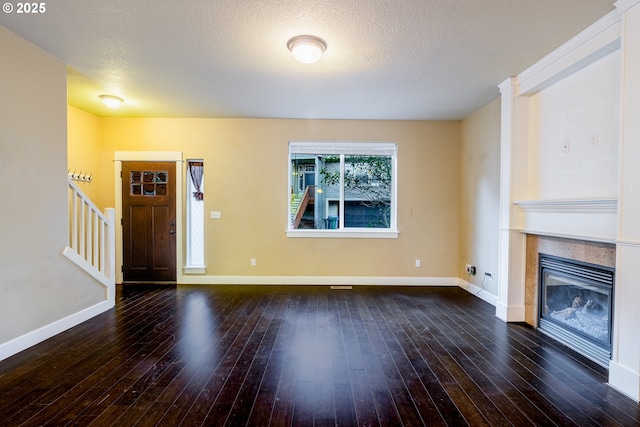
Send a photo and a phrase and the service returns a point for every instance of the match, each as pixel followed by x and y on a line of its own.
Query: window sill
pixel 344 234
pixel 201 269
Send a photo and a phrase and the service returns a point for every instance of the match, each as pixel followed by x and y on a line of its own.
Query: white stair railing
pixel 91 238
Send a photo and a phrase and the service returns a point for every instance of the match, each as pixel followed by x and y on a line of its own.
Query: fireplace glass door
pixel 576 298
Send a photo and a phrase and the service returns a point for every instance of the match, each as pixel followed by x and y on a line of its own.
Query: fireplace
pixel 576 305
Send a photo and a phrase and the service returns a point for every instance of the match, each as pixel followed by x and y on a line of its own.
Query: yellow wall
pixel 480 196
pixel 246 179
pixel 83 153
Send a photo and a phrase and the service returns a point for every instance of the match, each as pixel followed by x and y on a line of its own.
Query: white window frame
pixel 342 149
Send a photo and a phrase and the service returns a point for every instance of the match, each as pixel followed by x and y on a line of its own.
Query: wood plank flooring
pixel 305 356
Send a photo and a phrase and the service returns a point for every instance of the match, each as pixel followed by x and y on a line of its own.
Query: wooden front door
pixel 149 222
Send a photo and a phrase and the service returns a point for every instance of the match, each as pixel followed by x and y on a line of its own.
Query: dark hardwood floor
pixel 297 356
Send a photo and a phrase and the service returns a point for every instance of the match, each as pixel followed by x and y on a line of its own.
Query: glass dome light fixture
pixel 111 101
pixel 307 49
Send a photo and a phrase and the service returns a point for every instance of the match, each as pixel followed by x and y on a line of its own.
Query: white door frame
pixel 148 156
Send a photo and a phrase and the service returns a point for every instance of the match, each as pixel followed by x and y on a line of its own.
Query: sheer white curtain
pixel 196 170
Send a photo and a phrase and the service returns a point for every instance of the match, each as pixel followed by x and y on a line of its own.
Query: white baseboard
pixel 478 291
pixel 624 380
pixel 319 280
pixel 510 313
pixel 32 338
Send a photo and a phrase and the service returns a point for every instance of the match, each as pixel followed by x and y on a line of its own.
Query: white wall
pixel 38 286
pixel 582 111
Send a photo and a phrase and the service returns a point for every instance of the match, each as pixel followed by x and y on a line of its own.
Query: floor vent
pixel 341 287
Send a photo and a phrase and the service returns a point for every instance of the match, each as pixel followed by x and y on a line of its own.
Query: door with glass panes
pixel 148 222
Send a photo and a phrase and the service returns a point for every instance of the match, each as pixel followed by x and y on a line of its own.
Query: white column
pixel 513 186
pixel 624 369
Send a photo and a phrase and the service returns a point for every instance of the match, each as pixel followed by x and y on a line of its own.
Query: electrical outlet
pixel 417 263
pixel 471 269
pixel 215 214
pixel 253 262
pixel 489 274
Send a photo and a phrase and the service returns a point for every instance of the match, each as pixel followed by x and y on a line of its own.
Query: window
pixel 195 217
pixel 342 189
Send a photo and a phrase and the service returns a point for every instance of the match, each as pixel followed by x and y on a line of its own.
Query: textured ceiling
pixel 386 59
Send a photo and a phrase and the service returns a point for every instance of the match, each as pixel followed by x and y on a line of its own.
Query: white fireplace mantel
pixel 593 219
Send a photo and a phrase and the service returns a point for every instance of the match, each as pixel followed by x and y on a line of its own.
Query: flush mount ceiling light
pixel 306 49
pixel 111 101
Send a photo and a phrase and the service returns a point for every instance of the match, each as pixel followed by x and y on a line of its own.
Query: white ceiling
pixel 386 59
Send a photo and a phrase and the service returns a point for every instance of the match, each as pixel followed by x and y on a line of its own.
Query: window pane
pixel 367 191
pixel 310 191
pixel 196 233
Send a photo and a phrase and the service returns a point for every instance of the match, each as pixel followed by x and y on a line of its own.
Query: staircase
pixel 296 199
pixel 91 239
pixel 299 204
